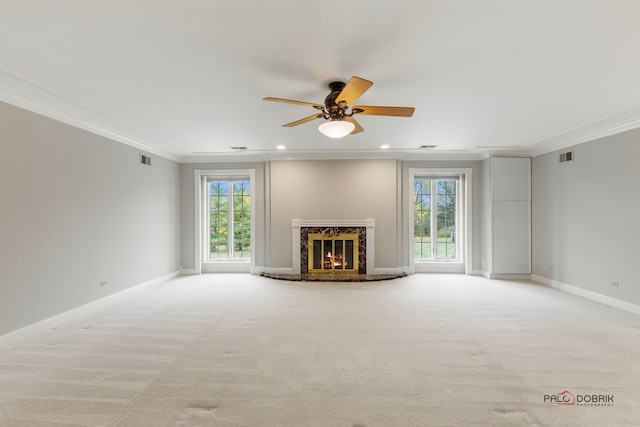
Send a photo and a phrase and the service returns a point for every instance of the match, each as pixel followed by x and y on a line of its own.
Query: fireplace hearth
pixel 334 277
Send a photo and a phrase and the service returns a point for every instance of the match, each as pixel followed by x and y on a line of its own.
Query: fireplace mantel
pixel 297 224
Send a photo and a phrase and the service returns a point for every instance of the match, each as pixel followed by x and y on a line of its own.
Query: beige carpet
pixel 240 350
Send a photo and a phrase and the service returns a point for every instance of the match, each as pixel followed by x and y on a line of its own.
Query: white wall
pixel 585 217
pixel 334 189
pixel 77 208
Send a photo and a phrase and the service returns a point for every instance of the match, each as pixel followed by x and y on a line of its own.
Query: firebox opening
pixel 333 253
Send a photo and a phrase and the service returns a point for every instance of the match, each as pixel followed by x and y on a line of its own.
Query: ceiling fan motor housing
pixel 336 112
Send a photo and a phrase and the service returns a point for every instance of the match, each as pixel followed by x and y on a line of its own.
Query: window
pixel 229 230
pixel 225 221
pixel 435 202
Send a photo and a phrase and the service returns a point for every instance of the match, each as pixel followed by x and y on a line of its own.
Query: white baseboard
pixel 226 267
pixel 46 324
pixel 509 276
pixel 258 270
pixel 499 276
pixel 278 270
pixel 412 270
pixel 480 273
pixel 408 270
pixel 594 296
pixel 439 267
pixel 387 271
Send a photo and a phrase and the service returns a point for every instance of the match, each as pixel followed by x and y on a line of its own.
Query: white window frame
pixel 202 262
pixel 433 207
pixel 230 181
pixel 463 221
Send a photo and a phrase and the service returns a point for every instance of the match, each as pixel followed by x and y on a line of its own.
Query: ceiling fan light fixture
pixel 336 106
pixel 336 128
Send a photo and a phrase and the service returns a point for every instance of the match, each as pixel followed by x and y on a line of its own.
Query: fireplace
pixel 332 253
pixel 333 250
pixel 333 246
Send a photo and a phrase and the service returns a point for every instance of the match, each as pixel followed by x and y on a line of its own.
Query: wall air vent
pixel 566 156
pixel 145 160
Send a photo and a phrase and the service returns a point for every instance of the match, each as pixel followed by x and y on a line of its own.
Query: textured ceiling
pixel 186 79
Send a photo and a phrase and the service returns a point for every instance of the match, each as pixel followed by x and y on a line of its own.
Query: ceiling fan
pixel 339 112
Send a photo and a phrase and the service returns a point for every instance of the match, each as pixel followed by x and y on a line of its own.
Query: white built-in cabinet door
pixel 510 215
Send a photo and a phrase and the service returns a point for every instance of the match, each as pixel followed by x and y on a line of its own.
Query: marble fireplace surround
pixel 302 227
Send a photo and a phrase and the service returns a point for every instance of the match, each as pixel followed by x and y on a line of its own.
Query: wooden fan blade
pixel 290 101
pixel 358 128
pixel 305 120
pixel 384 111
pixel 353 90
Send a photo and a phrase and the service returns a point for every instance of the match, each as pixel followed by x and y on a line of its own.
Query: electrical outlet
pixel 103 283
pixel 616 284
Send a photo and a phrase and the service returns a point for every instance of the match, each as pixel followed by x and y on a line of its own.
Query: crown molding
pixel 598 129
pixel 273 155
pixel 26 95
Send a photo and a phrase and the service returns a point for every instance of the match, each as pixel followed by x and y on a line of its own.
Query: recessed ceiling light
pixel 384 146
pixel 281 147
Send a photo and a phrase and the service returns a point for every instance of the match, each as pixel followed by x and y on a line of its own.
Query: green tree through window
pixel 229 220
pixel 434 226
pixel 241 220
pixel 422 218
